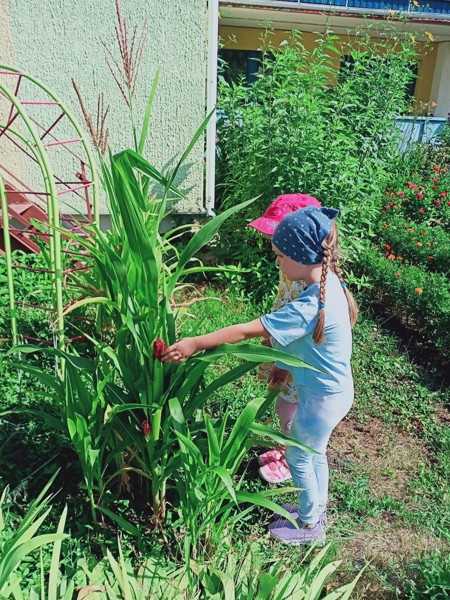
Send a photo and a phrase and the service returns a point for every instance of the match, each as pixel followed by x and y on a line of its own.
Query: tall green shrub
pixel 135 423
pixel 304 127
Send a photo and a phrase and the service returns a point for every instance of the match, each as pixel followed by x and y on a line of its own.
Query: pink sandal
pixel 275 472
pixel 271 456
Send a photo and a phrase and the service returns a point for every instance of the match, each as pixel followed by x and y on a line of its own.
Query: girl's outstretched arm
pixel 186 347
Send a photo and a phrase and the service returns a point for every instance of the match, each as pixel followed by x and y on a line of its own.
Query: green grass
pixel 389 492
pixel 371 495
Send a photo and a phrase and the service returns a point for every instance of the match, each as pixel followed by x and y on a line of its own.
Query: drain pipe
pixel 211 100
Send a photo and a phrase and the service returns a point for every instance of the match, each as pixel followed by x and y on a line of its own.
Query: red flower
pixel 391 203
pixel 436 180
pixel 443 170
pixel 448 203
pixel 387 247
pixel 431 258
pixel 436 168
pixel 437 202
pixel 419 195
pixel 146 427
pixel 421 210
pixel 159 346
pixel 418 291
pixel 443 194
pixel 400 194
pixel 434 187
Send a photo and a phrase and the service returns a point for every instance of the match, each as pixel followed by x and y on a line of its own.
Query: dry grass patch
pixel 389 547
pixel 384 542
pixel 389 458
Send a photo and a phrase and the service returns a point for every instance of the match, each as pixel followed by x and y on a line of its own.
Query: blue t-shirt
pixel 292 328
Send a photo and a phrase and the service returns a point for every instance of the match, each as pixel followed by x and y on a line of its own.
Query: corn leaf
pixel 148 112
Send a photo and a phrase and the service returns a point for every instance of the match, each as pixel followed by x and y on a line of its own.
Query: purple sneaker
pixel 293 510
pixel 285 532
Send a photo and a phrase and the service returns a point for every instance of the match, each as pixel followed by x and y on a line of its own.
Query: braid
pixel 331 255
pixel 332 240
pixel 318 335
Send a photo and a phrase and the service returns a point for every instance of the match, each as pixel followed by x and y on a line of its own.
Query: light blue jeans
pixel 317 416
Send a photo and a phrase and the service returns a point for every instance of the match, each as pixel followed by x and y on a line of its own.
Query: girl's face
pixel 295 271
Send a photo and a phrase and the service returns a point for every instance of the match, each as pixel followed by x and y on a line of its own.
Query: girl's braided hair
pixel 331 255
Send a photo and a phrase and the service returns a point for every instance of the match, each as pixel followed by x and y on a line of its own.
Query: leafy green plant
pixel 416 295
pixel 423 199
pixel 17 543
pixel 304 127
pixel 428 578
pixel 249 577
pixel 210 460
pixel 116 406
pixel 414 235
pixel 417 244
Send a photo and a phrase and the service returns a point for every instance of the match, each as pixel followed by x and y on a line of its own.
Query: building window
pixel 240 63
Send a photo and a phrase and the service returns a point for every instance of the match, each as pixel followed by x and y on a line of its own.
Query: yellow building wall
pixel 248 38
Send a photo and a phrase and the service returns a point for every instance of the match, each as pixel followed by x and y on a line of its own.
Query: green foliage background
pixel 304 127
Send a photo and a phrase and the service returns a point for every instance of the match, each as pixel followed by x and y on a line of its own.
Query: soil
pixel 390 459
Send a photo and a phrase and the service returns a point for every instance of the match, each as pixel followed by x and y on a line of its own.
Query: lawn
pixel 389 459
pixel 389 501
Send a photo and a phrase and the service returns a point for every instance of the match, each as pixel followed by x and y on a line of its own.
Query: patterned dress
pixel 287 291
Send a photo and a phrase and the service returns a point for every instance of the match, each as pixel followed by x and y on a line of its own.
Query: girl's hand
pixel 181 350
pixel 266 342
pixel 277 377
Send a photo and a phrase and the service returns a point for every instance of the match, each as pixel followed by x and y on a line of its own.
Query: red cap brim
pixel 265 225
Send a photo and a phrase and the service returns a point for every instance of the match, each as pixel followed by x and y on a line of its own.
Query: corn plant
pixel 247 577
pixel 116 406
pixel 211 453
pixel 240 575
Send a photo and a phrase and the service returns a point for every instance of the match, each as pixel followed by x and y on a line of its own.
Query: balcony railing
pixel 421 7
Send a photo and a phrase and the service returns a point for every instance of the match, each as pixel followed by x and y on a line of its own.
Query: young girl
pixel 273 466
pixel 316 328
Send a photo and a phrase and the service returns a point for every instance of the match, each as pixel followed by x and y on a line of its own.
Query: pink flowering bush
pixel 409 265
pixel 423 199
pixel 408 242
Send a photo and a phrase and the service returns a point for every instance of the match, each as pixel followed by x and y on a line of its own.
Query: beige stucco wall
pixel 58 40
pixel 10 156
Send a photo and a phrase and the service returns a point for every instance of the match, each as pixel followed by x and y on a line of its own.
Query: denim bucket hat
pixel 299 236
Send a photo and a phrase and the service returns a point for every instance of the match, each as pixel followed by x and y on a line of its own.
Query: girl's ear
pixel 331 213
